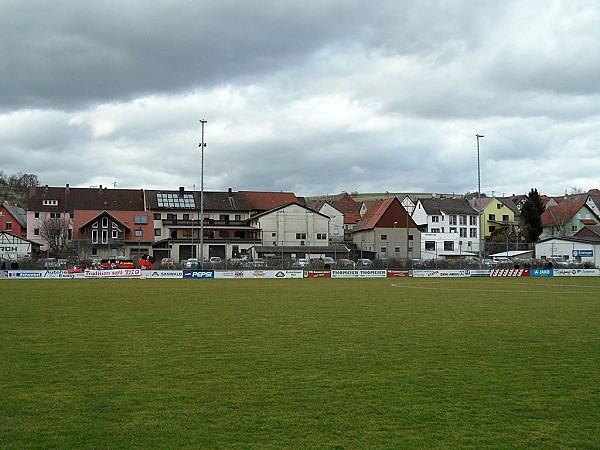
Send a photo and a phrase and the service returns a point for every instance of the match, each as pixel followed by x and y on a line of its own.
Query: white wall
pixel 336 222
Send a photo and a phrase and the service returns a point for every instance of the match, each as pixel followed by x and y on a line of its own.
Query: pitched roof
pixel 377 211
pixel 213 201
pixel 17 212
pixel 270 211
pixel 71 199
pixel 346 204
pixel 437 206
pixel 264 201
pixel 561 213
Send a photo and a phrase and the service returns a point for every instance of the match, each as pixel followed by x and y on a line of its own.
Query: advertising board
pixel 259 274
pixel 398 273
pixel 576 272
pixel 509 272
pixel 542 273
pixel 26 274
pixel 439 273
pixel 112 273
pixel 318 274
pixel 583 253
pixel 163 274
pixel 198 274
pixel 479 273
pixel 359 273
pixel 57 274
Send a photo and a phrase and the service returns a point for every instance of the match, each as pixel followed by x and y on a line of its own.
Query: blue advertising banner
pixel 541 273
pixel 198 273
pixel 583 253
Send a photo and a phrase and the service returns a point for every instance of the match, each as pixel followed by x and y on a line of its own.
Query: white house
pixel 573 249
pixel 449 228
pixel 336 221
pixel 292 229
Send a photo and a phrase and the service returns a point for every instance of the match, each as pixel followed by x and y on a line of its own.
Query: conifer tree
pixel 531 216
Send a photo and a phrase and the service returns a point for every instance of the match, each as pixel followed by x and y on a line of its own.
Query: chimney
pixel 67 188
pixel 181 191
pixel 230 192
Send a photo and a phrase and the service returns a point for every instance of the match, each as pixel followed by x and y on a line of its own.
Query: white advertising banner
pixel 576 272
pixel 113 273
pixel 254 274
pixel 440 273
pixel 162 274
pixel 57 274
pixel 375 273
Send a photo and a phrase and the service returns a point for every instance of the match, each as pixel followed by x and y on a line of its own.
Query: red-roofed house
pixel 351 210
pixel 388 230
pixel 265 201
pixel 13 219
pixel 567 218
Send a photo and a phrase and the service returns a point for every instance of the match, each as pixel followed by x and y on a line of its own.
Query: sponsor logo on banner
pixel 29 274
pixel 358 273
pixel 318 274
pixel 165 274
pixel 113 273
pixel 198 273
pixel 576 272
pixel 439 273
pixel 479 273
pixel 57 274
pixel 583 253
pixel 510 272
pixel 542 272
pixel 398 273
pixel 3 273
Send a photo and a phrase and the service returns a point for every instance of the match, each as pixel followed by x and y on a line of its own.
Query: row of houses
pixel 95 223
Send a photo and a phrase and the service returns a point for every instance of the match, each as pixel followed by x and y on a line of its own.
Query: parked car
pixel 167 263
pixel 192 263
pixel 215 260
pixel 301 262
pixel 345 263
pixel 328 262
pixel 364 262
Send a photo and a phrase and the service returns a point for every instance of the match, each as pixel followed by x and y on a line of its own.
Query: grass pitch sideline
pixel 409 363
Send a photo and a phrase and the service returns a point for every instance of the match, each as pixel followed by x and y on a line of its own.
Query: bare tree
pixel 56 233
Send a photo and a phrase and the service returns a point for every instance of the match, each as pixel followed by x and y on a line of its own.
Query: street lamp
pixel 202 145
pixel 478 136
pixel 138 233
pixel 394 230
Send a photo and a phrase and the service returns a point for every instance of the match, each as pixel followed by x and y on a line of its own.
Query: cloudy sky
pixel 314 97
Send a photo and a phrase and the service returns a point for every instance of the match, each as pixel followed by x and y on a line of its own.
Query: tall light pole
pixel 202 145
pixel 478 136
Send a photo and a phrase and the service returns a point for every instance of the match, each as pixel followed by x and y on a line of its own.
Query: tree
pixel 56 233
pixel 531 216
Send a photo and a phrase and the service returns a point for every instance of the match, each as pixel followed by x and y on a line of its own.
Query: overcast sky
pixel 313 97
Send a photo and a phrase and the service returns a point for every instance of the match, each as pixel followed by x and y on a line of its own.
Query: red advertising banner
pixel 319 274
pixel 398 273
pixel 509 272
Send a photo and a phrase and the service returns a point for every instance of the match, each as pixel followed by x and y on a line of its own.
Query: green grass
pixel 339 364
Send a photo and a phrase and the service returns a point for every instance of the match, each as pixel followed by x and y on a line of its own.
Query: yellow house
pixel 495 215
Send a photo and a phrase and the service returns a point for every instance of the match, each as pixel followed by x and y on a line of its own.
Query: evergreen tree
pixel 531 216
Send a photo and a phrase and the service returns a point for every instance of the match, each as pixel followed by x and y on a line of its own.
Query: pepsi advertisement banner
pixel 198 274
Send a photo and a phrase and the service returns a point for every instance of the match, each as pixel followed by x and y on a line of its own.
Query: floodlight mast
pixel 202 145
pixel 478 136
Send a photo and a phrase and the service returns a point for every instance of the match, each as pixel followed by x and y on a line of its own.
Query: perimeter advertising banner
pixel 510 273
pixel 359 273
pixel 576 272
pixel 440 273
pixel 398 273
pixel 163 274
pixel 318 274
pixel 112 273
pixel 198 274
pixel 259 274
pixel 542 272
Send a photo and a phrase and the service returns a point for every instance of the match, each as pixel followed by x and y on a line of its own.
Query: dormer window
pixel 49 202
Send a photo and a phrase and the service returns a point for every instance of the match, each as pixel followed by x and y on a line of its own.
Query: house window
pixel 396 250
pixel 383 250
pixel 8 226
pixel 573 228
pixel 492 217
pixel 300 235
pixel 94 251
pixel 430 246
pixel 224 217
pixel 186 217
pixel 384 237
pixel 505 218
pixel 36 231
pixel 171 216
pixel 36 215
pixel 115 226
pixel 105 222
pixel 435 219
pixel 157 232
pixel 273 234
pixel 435 230
pixel 448 246
pixel 55 215
pixel 472 220
pixel 463 220
pixel 473 232
pixel 105 236
pixel 94 236
pixel 95 225
pixel 157 216
pixel 321 235
pixel 138 232
pixel 492 228
pixel 453 230
pixel 452 219
pixel 238 217
pixel 50 202
pixel 498 205
pixel 140 219
pixel 115 234
pixel 463 232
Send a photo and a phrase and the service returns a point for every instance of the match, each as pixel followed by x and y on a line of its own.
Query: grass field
pixel 340 364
